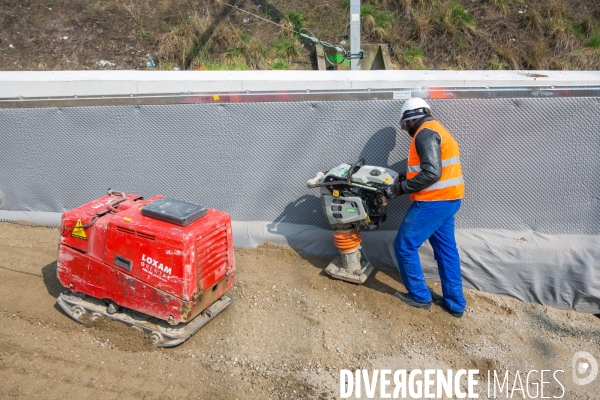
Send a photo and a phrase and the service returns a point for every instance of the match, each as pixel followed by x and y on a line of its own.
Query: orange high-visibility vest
pixel 451 185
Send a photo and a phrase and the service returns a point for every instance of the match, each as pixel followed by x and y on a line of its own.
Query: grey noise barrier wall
pixel 529 225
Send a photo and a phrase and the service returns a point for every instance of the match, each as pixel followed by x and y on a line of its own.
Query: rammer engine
pixel 353 200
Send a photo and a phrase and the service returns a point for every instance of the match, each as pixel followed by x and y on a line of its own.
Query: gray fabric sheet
pixel 558 270
pixel 531 169
pixel 42 218
pixel 529 164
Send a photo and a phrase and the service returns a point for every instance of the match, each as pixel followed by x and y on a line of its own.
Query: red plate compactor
pixel 160 265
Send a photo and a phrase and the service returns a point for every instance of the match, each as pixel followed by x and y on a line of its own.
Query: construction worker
pixel 435 183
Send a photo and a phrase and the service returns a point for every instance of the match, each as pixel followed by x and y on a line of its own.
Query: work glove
pixel 389 191
pixel 394 190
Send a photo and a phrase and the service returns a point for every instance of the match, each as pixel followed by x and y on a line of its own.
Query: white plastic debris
pixel 11 46
pixel 105 63
pixel 65 38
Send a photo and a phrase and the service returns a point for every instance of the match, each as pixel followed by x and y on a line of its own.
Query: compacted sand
pixel 287 335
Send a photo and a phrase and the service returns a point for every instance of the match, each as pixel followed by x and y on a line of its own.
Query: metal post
pixel 355 34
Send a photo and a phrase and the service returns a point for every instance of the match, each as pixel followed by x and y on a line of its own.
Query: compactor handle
pixel 111 192
pixel 314 181
pixel 360 162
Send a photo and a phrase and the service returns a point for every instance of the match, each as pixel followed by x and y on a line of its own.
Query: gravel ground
pixel 287 335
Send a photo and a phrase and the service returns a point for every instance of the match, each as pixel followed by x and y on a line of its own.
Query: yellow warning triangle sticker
pixel 78 232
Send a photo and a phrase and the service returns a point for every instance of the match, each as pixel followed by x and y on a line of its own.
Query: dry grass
pixel 134 11
pixel 287 48
pixel 585 59
pixel 587 25
pixel 378 34
pixel 425 5
pixel 501 6
pixel 454 19
pixel 440 34
pixel 458 34
pixel 256 55
pixel 406 7
pixel 175 45
pixel 561 37
pixel 367 23
pixel 557 9
pixel 199 42
pixel 533 20
pixel 537 57
pixel 411 58
pixel 286 23
pixel 446 20
pixel 421 25
pixel 498 64
pixel 373 32
pixel 224 36
pixel 507 52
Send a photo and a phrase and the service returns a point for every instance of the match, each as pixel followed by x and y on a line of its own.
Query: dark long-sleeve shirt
pixel 427 144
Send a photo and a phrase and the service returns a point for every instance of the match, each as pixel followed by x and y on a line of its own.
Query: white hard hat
pixel 414 108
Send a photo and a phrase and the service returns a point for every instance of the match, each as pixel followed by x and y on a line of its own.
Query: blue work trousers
pixel 433 220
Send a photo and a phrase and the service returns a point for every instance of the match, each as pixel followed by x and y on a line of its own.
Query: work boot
pixel 439 300
pixel 407 300
pixel 436 298
pixel 455 314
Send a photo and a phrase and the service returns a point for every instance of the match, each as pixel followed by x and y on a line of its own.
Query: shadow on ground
pixel 53 285
pixel 374 281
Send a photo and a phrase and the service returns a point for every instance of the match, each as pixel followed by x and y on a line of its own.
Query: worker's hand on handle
pixel 389 191
pixel 394 190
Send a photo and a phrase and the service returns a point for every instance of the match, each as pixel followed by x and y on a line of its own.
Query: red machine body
pixel 158 268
